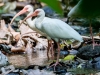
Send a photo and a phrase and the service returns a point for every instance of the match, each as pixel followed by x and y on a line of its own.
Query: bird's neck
pixel 29 20
pixel 39 20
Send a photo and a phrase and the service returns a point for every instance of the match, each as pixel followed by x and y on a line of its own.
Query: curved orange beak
pixel 19 13
pixel 33 14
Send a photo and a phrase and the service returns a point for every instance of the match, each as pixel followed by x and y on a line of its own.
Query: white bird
pixel 55 28
pixel 29 10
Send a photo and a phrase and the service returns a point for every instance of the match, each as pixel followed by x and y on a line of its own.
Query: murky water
pixel 39 58
pixel 32 58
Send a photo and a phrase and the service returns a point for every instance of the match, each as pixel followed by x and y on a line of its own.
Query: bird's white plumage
pixel 31 23
pixel 56 28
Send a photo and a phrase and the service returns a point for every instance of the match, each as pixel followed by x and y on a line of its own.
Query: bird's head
pixel 37 12
pixel 26 9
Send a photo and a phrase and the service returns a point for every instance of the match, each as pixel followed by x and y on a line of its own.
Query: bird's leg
pixel 58 52
pixel 48 50
pixel 92 35
pixel 57 61
pixel 52 51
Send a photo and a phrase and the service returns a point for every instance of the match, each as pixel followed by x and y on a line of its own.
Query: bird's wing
pixel 56 28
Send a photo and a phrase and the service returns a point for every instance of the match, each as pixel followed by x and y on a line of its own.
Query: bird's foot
pixel 55 64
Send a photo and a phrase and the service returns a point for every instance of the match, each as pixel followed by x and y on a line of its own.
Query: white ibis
pixel 86 9
pixel 29 10
pixel 55 28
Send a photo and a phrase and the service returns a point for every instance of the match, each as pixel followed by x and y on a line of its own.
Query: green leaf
pixel 69 57
pixel 54 4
